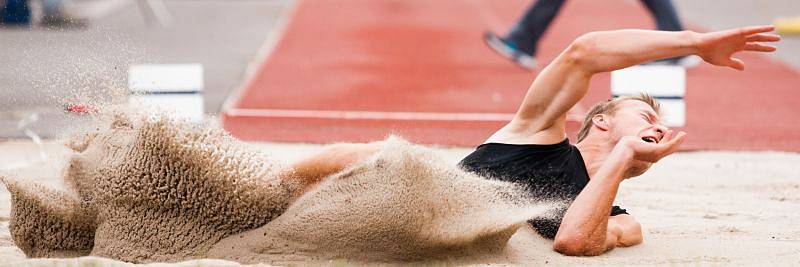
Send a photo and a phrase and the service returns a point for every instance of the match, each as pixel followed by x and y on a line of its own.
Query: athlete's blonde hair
pixel 610 106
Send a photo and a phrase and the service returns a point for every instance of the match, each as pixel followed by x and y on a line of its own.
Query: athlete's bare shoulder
pixel 512 134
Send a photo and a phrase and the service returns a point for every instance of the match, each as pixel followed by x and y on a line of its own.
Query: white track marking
pixel 377 115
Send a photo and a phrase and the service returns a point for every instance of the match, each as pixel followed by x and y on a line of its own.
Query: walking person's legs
pixel 666 18
pixel 56 17
pixel 665 14
pixel 521 42
pixel 15 12
pixel 51 7
pixel 533 24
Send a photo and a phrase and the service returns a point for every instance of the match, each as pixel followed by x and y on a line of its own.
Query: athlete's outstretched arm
pixel 560 85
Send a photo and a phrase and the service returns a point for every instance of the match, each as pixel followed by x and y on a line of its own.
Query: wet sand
pixel 696 207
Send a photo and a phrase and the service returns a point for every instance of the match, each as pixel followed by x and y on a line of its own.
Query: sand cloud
pixel 146 188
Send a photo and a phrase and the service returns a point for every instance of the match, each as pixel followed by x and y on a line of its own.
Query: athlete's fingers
pixel 736 63
pixel 676 142
pixel 667 137
pixel 759 47
pixel 756 29
pixel 671 142
pixel 679 138
pixel 763 37
pixel 665 144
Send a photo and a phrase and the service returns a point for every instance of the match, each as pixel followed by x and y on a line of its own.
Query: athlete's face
pixel 636 118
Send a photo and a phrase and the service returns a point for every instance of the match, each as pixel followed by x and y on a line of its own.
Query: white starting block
pixel 667 84
pixel 176 88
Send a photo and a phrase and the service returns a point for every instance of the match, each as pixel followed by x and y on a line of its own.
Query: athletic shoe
pixel 510 51
pixel 62 21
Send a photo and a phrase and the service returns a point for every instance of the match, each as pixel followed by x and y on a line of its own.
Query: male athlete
pixel 619 138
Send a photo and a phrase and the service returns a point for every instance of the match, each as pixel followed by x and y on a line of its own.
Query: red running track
pixel 356 70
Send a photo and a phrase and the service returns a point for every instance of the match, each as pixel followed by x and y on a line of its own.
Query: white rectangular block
pixel 673 112
pixel 186 106
pixel 174 88
pixel 166 78
pixel 664 81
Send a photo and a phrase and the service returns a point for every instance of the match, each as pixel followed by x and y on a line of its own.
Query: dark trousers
pixel 15 12
pixel 530 28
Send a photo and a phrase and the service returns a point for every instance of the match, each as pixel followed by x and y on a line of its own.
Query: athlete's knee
pixel 347 153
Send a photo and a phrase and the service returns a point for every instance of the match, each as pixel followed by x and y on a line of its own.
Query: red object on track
pixel 82 109
pixel 351 70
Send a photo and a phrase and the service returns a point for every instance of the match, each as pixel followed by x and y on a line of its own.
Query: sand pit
pixel 699 208
pixel 403 204
pixel 149 189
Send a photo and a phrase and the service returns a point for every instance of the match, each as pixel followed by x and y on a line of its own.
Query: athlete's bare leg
pixel 332 159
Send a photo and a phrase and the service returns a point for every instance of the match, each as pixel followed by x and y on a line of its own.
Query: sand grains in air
pixel 147 188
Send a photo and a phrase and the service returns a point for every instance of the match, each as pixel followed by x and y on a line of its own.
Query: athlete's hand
pixel 653 152
pixel 718 47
